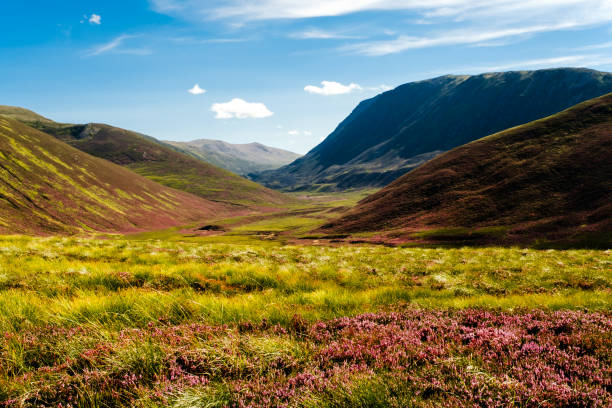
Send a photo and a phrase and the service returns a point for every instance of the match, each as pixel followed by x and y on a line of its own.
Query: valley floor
pixel 189 323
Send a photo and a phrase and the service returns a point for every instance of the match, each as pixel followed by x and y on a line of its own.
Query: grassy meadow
pixel 163 322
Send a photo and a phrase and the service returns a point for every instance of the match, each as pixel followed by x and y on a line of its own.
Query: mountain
pixel 549 179
pixel 47 186
pixel 237 158
pixel 392 133
pixel 157 161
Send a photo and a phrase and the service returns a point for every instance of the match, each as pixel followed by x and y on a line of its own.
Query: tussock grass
pixel 119 283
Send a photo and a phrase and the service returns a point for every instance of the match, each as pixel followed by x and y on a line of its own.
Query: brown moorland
pixel 548 180
pixel 49 187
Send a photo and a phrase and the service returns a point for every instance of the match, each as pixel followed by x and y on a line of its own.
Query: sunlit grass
pixel 124 283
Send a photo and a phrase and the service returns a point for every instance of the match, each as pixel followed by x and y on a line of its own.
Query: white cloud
pixel 240 109
pixel 115 46
pixel 600 10
pixel 595 46
pixel 196 90
pixel 589 60
pixel 484 22
pixel 95 19
pixel 332 88
pixel 379 88
pixel 403 43
pixel 196 41
pixel 299 132
pixel 318 34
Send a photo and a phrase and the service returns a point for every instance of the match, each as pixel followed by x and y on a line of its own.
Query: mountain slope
pixel 160 162
pixel 390 134
pixel 22 115
pixel 551 178
pixel 237 158
pixel 47 186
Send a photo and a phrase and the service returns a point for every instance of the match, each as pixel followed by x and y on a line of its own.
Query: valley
pixel 427 263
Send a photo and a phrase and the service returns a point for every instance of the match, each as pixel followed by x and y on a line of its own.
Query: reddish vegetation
pixel 548 179
pixel 414 358
pixel 47 186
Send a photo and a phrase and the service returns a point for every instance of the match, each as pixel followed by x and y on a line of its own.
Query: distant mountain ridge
pixel 47 186
pixel 156 160
pixel 549 179
pixel 394 132
pixel 238 158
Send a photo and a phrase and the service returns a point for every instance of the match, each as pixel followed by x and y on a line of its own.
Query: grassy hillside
pixel 547 179
pixel 162 163
pixel 237 158
pixel 22 115
pixel 47 186
pixel 392 133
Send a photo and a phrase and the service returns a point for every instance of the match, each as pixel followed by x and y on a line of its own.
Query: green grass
pixel 125 283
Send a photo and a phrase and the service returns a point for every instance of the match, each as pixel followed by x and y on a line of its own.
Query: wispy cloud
pixel 599 10
pixel 299 132
pixel 318 34
pixel 109 46
pixel 583 60
pixel 240 109
pixel 195 40
pixel 455 37
pixel 594 47
pixel 379 88
pixel 163 6
pixel 482 22
pixel 115 46
pixel 332 88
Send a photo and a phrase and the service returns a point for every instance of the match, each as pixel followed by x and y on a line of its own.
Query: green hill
pixel 22 115
pixel 47 186
pixel 238 158
pixel 550 179
pixel 394 132
pixel 157 161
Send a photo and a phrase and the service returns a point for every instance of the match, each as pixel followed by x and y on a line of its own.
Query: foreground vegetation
pixel 119 322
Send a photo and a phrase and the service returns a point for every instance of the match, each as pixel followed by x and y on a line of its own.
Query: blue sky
pixel 281 72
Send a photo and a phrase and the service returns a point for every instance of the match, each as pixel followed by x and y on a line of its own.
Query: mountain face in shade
pixel 47 186
pixel 155 160
pixel 392 133
pixel 238 158
pixel 548 179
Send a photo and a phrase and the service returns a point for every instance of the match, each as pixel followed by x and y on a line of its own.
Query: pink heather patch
pixel 420 357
